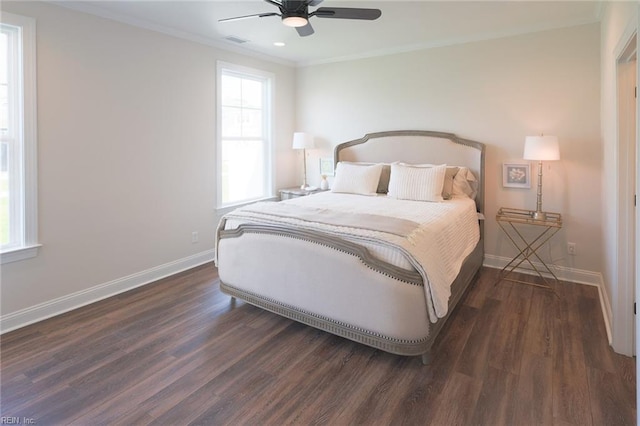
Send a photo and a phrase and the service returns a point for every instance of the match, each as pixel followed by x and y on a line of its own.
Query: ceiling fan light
pixel 294 21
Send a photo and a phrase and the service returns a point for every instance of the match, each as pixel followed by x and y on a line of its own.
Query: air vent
pixel 236 39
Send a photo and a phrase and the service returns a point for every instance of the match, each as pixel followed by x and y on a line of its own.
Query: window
pixel 18 198
pixel 245 170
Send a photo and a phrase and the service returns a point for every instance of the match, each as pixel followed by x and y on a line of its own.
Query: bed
pixel 380 269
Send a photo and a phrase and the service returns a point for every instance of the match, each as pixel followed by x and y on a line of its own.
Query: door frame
pixel 623 320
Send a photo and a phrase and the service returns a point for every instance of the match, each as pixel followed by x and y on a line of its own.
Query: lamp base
pixel 539 215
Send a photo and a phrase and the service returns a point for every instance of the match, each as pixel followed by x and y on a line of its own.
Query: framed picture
pixel 516 175
pixel 326 166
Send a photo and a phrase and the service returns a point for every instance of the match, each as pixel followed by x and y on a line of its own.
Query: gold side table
pixel 509 220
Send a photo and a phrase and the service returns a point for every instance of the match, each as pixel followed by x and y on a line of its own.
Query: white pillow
pixel 383 183
pixel 416 183
pixel 447 188
pixel 356 179
pixel 465 184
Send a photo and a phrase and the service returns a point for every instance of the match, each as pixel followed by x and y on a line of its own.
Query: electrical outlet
pixel 194 237
pixel 571 249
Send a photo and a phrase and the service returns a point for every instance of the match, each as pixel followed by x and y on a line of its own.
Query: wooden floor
pixel 180 352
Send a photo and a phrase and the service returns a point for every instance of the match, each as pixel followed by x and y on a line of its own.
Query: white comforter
pixel 447 233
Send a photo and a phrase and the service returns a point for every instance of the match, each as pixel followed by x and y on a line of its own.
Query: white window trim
pixel 30 138
pixel 220 65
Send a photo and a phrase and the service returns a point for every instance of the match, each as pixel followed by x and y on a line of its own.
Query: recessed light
pixel 278 43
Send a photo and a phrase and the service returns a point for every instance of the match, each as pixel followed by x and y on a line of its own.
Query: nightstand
pixel 512 222
pixel 288 193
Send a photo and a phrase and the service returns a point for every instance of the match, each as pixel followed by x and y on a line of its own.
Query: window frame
pixel 27 244
pixel 268 78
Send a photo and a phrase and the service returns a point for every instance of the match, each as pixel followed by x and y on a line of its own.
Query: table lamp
pixel 541 148
pixel 303 141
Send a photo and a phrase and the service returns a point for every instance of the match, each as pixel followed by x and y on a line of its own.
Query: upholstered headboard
pixel 415 147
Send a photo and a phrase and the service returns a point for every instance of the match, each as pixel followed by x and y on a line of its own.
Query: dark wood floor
pixel 179 352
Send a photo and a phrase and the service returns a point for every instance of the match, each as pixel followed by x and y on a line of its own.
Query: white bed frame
pixel 330 285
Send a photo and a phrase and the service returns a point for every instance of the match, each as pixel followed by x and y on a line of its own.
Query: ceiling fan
pixel 296 14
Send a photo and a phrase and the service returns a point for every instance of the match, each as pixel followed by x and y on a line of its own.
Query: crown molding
pixel 445 43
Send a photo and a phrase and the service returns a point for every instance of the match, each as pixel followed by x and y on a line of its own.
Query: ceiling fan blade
pixel 257 15
pixel 276 4
pixel 347 13
pixel 307 30
pixel 314 2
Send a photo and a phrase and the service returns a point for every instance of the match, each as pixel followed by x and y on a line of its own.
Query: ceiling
pixel 403 26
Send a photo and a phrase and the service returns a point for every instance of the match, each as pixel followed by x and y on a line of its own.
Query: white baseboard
pixel 565 273
pixel 76 300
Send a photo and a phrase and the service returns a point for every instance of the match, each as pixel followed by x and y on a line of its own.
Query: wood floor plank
pixel 281 392
pixel 534 394
pixel 571 403
pixel 90 396
pixel 598 353
pixel 457 401
pixel 214 406
pixel 571 390
pixel 125 407
pixel 179 351
pixel 357 372
pixel 302 390
pixel 497 400
pixel 372 404
pixel 211 359
pixel 17 390
pixel 507 345
pixel 359 376
pixel 484 286
pixel 540 325
pixel 609 404
pixel 474 358
pixel 626 376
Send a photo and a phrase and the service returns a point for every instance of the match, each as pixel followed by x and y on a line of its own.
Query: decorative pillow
pixel 356 179
pixel 385 175
pixel 465 184
pixel 383 183
pixel 447 187
pixel 417 183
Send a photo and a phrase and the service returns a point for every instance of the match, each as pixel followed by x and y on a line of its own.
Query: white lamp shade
pixel 541 148
pixel 302 141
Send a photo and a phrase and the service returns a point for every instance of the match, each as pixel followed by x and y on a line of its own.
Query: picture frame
pixel 327 167
pixel 516 175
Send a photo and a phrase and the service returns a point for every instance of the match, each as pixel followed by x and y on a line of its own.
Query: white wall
pixel 496 92
pixel 618 19
pixel 126 172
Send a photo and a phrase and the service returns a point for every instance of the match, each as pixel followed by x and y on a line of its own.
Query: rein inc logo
pixel 6 420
